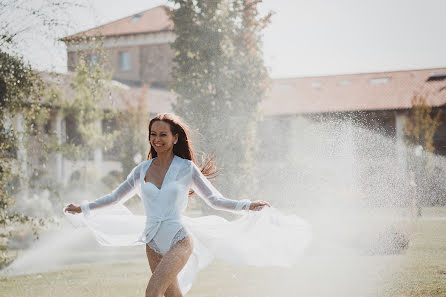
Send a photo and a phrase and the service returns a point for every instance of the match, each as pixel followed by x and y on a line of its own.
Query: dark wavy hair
pixel 183 148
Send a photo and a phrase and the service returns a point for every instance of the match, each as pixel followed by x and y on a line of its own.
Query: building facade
pixel 138 52
pixel 136 48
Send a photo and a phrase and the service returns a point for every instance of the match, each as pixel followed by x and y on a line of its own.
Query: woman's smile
pixel 161 137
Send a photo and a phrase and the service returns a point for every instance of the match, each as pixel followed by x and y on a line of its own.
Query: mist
pixel 342 178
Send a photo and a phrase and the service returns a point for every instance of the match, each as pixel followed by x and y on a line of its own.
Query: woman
pixel 163 182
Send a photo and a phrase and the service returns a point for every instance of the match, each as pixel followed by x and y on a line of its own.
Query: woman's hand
pixel 258 205
pixel 72 208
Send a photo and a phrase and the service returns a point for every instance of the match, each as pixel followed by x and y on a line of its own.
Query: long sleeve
pixel 123 192
pixel 203 187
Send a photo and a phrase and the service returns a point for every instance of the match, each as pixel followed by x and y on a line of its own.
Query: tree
pixel 87 109
pixel 22 92
pixel 421 125
pixel 19 18
pixel 420 129
pixel 16 83
pixel 132 143
pixel 25 100
pixel 21 95
pixel 219 78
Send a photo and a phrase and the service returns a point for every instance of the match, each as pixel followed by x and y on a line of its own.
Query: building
pixel 137 47
pixel 138 52
pixel 382 100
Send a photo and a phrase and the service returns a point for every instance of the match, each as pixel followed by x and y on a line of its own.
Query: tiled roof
pixel 153 20
pixel 338 93
pixel 156 100
pixel 119 96
pixel 353 92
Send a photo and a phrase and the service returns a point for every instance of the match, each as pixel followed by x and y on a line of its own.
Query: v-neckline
pixel 165 175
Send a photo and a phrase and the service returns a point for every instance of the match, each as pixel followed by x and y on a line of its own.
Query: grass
pixel 423 268
pixel 419 271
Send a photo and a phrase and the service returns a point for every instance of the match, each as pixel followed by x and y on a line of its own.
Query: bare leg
pixel 154 258
pixel 165 269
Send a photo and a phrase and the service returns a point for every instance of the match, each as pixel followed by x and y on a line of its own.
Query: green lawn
pixel 423 267
pixel 419 271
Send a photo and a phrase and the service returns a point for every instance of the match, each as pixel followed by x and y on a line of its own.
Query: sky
pixel 305 38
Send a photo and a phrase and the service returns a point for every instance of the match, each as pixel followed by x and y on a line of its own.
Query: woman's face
pixel 161 138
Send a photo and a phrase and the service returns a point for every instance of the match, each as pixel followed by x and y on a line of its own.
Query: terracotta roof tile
pixel 153 20
pixel 118 95
pixel 353 92
pixel 338 93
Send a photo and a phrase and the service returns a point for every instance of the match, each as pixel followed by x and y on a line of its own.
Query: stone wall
pixel 133 74
pixel 156 63
pixel 150 64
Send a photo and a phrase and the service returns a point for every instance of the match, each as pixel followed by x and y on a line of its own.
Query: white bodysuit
pixel 260 238
pixel 163 207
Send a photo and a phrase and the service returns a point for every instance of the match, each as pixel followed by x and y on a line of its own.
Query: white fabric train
pixel 260 238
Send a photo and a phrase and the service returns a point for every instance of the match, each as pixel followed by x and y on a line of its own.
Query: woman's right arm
pixel 124 191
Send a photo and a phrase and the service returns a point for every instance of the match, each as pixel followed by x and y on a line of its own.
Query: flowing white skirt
pixel 260 238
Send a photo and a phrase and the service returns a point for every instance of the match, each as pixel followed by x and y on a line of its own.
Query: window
pixel 316 84
pixel 73 136
pixel 135 18
pixel 283 86
pixel 92 59
pixel 345 82
pixel 379 80
pixel 124 61
pixel 437 76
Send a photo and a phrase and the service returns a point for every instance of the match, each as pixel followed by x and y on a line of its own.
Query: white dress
pixel 259 238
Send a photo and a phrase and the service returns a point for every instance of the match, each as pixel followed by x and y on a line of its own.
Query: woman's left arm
pixel 204 188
